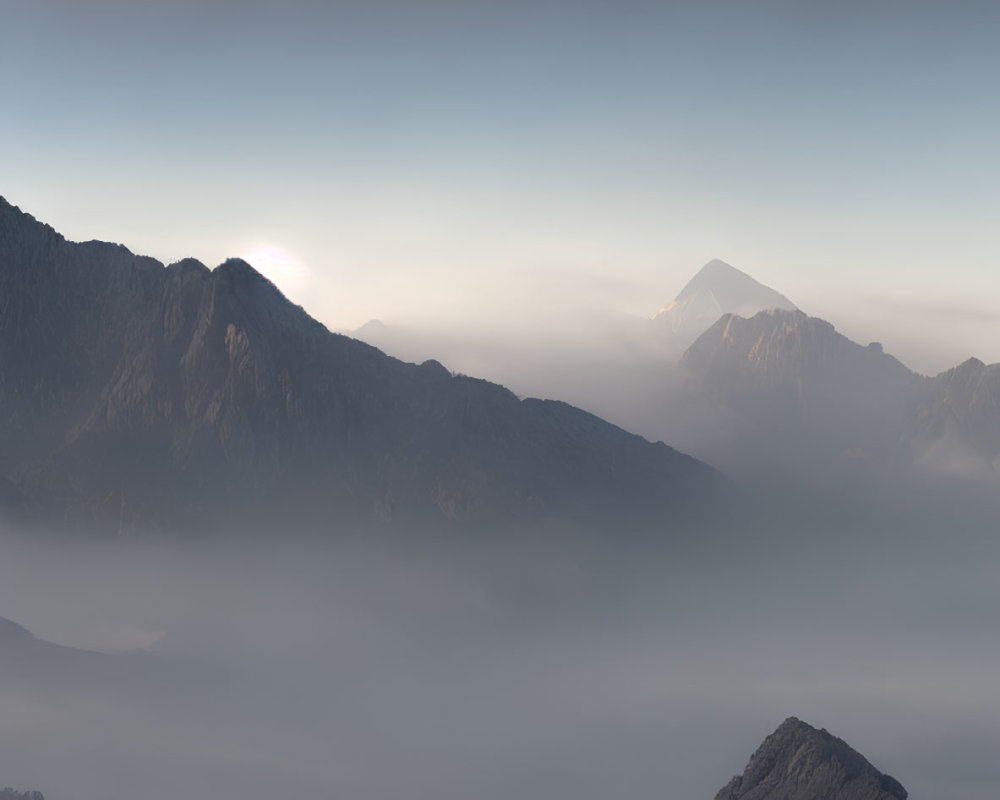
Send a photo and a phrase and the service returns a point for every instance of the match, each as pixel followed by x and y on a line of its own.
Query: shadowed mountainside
pixel 799 762
pixel 135 393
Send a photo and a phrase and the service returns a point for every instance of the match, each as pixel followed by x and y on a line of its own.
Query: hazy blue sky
pixel 463 159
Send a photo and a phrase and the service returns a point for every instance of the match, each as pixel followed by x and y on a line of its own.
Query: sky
pixel 481 162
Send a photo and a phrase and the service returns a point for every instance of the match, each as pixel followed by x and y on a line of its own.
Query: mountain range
pixel 135 393
pixel 736 374
pixel 766 391
pixel 786 392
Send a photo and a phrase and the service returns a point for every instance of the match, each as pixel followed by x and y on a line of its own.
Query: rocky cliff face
pixel 137 394
pixel 799 762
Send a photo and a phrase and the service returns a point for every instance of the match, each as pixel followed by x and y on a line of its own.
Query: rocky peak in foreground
pixel 799 762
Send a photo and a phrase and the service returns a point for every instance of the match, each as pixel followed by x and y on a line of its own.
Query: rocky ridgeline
pixel 799 762
pixel 135 394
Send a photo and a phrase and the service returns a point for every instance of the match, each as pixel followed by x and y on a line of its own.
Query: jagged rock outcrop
pixel 799 762
pixel 137 394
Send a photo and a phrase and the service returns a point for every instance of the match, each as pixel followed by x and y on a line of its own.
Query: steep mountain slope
pixel 134 393
pixel 958 425
pixel 787 391
pixel 799 762
pixel 717 289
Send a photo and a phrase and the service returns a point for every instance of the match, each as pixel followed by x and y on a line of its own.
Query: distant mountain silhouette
pixel 958 424
pixel 137 394
pixel 733 373
pixel 799 762
pixel 784 390
pixel 717 289
pixel 790 393
pixel 31 664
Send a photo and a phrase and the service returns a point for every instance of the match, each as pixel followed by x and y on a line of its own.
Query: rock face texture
pixel 799 762
pixel 790 392
pixel 133 394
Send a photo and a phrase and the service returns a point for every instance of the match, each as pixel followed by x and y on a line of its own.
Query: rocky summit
pixel 135 394
pixel 799 762
pixel 717 289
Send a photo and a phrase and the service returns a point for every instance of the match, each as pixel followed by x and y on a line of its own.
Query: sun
pixel 281 267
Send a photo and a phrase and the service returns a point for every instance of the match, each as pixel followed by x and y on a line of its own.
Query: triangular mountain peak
pixel 800 762
pixel 733 288
pixel 718 288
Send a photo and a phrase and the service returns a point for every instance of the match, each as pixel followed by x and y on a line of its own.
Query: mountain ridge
pixel 715 290
pixel 788 388
pixel 138 393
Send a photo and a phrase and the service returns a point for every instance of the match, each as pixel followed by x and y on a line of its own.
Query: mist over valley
pixel 478 400
pixel 597 615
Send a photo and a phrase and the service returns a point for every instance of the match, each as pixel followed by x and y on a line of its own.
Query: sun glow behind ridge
pixel 281 267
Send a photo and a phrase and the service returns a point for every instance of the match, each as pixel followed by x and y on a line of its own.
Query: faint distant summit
pixel 717 289
pixel 799 762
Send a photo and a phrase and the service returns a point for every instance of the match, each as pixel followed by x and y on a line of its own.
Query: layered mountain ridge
pixel 135 393
pixel 717 289
pixel 787 390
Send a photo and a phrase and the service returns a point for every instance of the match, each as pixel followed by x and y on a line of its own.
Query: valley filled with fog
pixel 633 662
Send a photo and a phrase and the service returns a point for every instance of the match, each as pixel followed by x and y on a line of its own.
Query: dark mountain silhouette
pixel 799 762
pixel 135 393
pixel 717 289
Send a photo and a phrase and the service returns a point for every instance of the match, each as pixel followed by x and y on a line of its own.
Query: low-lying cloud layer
pixel 539 664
